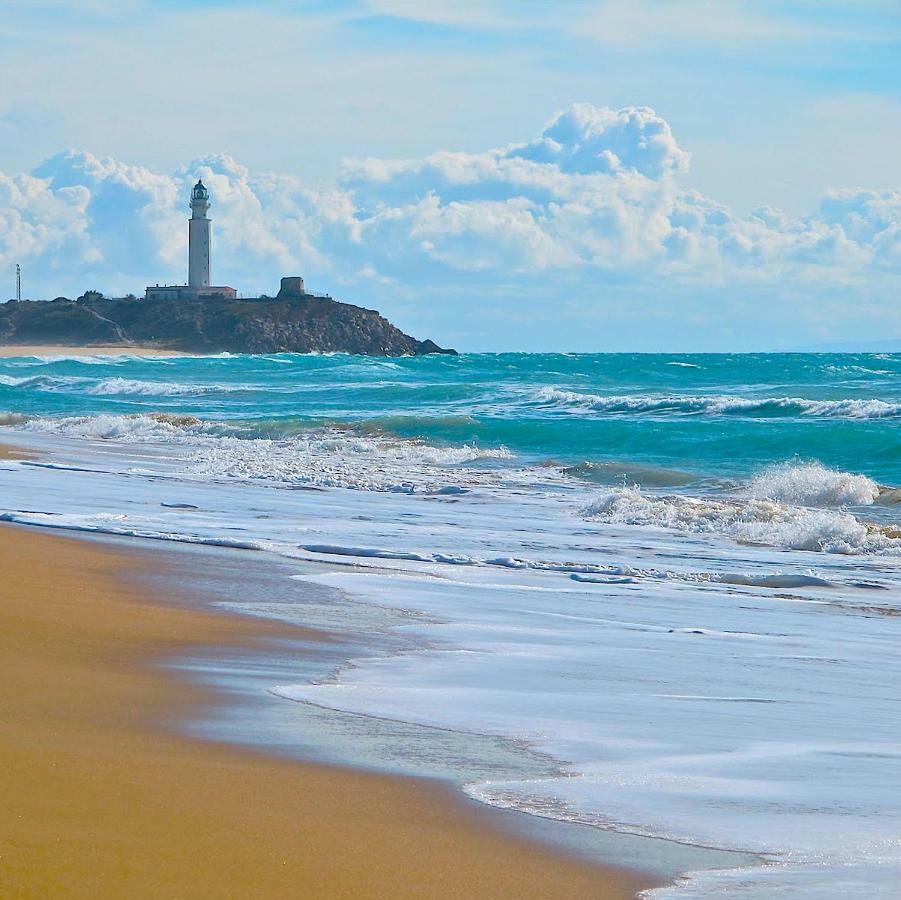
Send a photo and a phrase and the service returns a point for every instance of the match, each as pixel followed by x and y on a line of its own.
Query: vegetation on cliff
pixel 299 324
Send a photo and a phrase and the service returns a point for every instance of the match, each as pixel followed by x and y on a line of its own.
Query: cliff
pixel 297 324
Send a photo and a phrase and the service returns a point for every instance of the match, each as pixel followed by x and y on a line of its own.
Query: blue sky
pixel 767 105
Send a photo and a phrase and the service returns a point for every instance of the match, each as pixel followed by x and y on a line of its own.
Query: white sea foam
pixel 130 386
pixel 325 457
pixel 812 484
pixel 338 459
pixel 752 520
pixel 685 688
pixel 102 359
pixel 586 573
pixel 129 428
pixel 863 370
pixel 40 382
pixel 715 405
pixel 683 677
pixel 115 386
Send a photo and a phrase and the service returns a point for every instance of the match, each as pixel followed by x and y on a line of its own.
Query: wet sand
pixel 9 350
pixel 101 799
pixel 14 453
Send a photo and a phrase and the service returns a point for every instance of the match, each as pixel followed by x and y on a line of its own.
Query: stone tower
pixel 199 238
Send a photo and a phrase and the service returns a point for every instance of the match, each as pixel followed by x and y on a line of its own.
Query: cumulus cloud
pixel 127 216
pixel 587 139
pixel 599 190
pixel 598 197
pixel 38 222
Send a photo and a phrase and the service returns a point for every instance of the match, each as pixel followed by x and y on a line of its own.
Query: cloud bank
pixel 585 228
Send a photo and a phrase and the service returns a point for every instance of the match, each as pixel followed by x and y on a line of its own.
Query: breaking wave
pixel 129 386
pixel 757 520
pixel 328 458
pixel 722 405
pixel 134 428
pixel 40 382
pixel 813 484
pixel 115 386
pixel 318 457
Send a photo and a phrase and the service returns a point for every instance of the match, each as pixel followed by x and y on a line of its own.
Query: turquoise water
pixel 710 416
pixel 673 580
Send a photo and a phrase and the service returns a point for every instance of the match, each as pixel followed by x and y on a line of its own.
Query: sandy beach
pixel 102 800
pixel 9 350
pixel 628 594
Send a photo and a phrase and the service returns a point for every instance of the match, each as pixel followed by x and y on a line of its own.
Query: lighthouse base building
pixel 198 285
pixel 186 292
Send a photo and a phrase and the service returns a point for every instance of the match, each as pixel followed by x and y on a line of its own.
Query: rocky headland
pixel 292 322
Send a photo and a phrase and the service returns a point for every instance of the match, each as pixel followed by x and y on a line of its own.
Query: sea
pixel 652 595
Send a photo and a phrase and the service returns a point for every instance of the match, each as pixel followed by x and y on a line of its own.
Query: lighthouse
pixel 199 238
pixel 198 285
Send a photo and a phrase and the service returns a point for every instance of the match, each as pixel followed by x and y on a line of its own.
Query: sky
pixel 581 175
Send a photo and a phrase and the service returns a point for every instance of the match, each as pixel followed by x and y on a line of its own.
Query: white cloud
pixel 596 200
pixel 600 189
pixel 587 139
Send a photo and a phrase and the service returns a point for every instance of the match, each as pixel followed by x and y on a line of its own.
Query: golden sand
pixel 9 350
pixel 100 800
pixel 13 453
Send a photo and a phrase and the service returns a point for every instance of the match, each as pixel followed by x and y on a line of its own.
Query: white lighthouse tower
pixel 199 238
pixel 198 285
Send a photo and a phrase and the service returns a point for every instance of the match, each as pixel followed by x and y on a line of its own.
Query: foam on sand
pixel 81 770
pixel 676 654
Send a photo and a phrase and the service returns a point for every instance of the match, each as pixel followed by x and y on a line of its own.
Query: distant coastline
pixel 9 350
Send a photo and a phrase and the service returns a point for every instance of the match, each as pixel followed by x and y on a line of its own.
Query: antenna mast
pixel 18 282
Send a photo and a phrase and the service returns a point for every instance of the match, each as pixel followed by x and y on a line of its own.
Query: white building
pixel 199 238
pixel 198 257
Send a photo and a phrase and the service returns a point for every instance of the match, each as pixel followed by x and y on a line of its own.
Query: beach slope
pixel 100 800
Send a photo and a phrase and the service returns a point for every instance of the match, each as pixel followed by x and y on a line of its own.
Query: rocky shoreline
pixel 301 323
